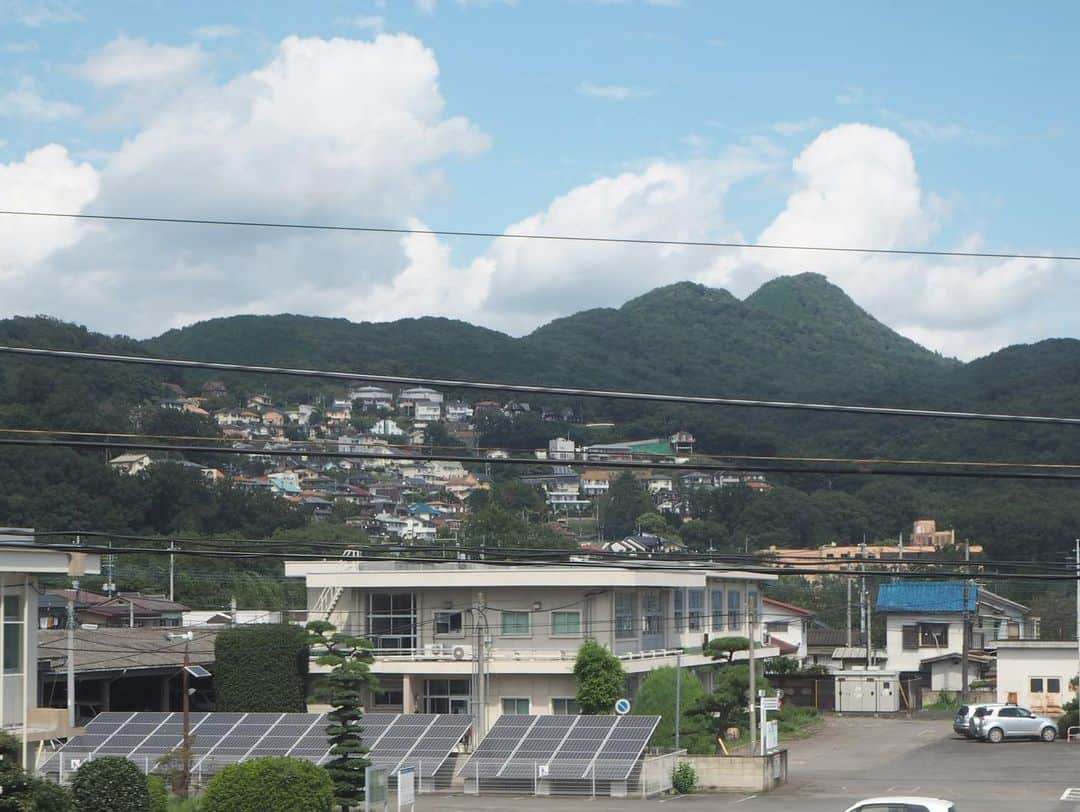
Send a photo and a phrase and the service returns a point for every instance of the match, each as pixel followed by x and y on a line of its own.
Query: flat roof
pixel 1055 644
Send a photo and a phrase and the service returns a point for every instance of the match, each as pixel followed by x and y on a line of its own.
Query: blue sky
pixel 685 119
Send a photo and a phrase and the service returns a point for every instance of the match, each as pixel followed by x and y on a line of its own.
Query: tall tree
pixel 349 685
pixel 601 679
pixel 619 509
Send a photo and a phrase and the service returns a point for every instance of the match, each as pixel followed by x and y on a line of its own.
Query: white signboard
pixel 541 770
pixel 770 703
pixel 406 788
pixel 375 780
pixel 772 735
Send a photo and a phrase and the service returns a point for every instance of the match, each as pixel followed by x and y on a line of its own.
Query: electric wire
pixel 312 447
pixel 699 400
pixel 509 235
pixel 859 470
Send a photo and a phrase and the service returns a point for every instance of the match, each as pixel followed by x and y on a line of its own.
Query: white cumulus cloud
pixel 126 61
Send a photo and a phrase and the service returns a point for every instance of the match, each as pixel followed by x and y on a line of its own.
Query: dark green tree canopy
pixel 601 679
pixel 270 784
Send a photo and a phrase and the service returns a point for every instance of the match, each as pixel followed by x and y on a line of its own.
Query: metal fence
pixel 656 772
pixel 591 777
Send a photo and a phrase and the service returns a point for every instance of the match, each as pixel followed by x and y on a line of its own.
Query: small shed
pixel 946 670
pixel 862 691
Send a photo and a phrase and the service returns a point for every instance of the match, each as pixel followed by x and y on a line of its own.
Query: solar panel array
pixel 394 740
pixel 571 748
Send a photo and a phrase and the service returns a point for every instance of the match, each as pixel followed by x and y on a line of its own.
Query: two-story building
pixel 21 564
pixel 925 619
pixel 787 627
pixel 465 637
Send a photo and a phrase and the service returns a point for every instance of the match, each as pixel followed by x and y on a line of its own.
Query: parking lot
pixel 854 758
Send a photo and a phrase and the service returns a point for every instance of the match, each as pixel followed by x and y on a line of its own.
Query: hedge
pixel 110 784
pixel 261 668
pixel 270 784
pixel 159 793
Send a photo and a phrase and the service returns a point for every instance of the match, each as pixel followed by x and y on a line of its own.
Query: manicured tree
pixel 348 684
pixel 724 649
pixel 657 698
pixel 270 784
pixel 261 668
pixel 727 705
pixel 13 779
pixel 110 784
pixel 601 679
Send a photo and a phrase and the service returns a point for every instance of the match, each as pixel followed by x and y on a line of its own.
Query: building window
pixel 652 613
pixel 625 610
pixel 1036 685
pixel 446 695
pixel 910 638
pixel 519 707
pixel 933 635
pixel 13 631
pixel 515 624
pixel 695 601
pixel 448 623
pixel 566 624
pixel 564 706
pixel 734 609
pixel 390 696
pixel 679 603
pixel 1053 685
pixel 753 606
pixel 717 599
pixel 392 620
pixel 777 626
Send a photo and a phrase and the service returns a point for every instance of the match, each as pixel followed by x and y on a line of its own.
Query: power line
pixel 506 235
pixel 860 470
pixel 305 447
pixel 648 397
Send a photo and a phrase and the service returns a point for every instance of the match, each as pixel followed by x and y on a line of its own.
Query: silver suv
pixel 995 723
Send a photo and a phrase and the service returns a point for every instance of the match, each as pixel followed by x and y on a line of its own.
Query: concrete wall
pixel 1018 664
pixel 739 773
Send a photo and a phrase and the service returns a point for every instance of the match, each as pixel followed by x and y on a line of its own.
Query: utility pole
pixel 172 570
pixel 752 692
pixel 849 609
pixel 71 652
pixel 1078 615
pixel 185 747
pixel 865 605
pixel 965 638
pixel 678 696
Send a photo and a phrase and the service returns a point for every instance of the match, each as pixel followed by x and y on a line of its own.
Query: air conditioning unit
pixel 462 652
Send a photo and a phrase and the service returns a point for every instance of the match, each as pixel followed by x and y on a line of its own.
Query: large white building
pixel 434 626
pixel 20 566
pixel 1037 674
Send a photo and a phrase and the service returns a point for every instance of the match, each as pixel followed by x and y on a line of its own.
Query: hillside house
pixel 420 394
pixel 786 626
pixel 595 483
pixel 372 397
pixel 131 464
pixel 458 411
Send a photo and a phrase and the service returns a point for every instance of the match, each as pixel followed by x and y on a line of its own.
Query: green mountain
pixel 796 338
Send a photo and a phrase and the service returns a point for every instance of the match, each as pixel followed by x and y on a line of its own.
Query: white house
pixel 1037 674
pixel 434 625
pixel 406 527
pixel 561 448
pixel 421 394
pixel 458 411
pixel 787 626
pixel 427 412
pixel 924 619
pixel 372 397
pixel 387 428
pixel 131 464
pixel 20 566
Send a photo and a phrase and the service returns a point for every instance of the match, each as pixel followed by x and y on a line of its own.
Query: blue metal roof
pixel 925 596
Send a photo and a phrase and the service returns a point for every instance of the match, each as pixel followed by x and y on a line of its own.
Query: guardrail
pixel 508 654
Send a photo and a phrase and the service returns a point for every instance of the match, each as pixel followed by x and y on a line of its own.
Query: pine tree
pixel 349 681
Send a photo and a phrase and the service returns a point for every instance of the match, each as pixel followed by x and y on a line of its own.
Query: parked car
pixel 964 721
pixel 903 805
pixel 995 723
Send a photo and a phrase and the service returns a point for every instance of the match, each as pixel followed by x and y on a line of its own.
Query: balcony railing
pixel 466 653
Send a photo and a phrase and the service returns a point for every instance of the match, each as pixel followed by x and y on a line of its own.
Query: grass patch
pixel 945 702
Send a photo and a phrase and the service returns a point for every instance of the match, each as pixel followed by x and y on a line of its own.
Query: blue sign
pixel 622 706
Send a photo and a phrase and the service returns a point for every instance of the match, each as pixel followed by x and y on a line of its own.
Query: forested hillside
pixel 797 338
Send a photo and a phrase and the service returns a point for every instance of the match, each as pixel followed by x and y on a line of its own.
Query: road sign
pixel 541 770
pixel 406 788
pixel 770 703
pixel 375 789
pixel 772 735
pixel 622 706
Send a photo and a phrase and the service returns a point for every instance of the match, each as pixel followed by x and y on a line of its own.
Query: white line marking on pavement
pixel 888 789
pixel 1071 794
pixel 747 798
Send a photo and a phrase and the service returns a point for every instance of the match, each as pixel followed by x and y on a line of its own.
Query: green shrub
pixel 656 697
pixel 270 784
pixel 600 677
pixel 1071 717
pixel 45 796
pixel 110 784
pixel 261 668
pixel 976 684
pixel 159 793
pixel 684 778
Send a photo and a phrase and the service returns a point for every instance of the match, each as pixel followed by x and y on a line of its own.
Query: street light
pixel 185 747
